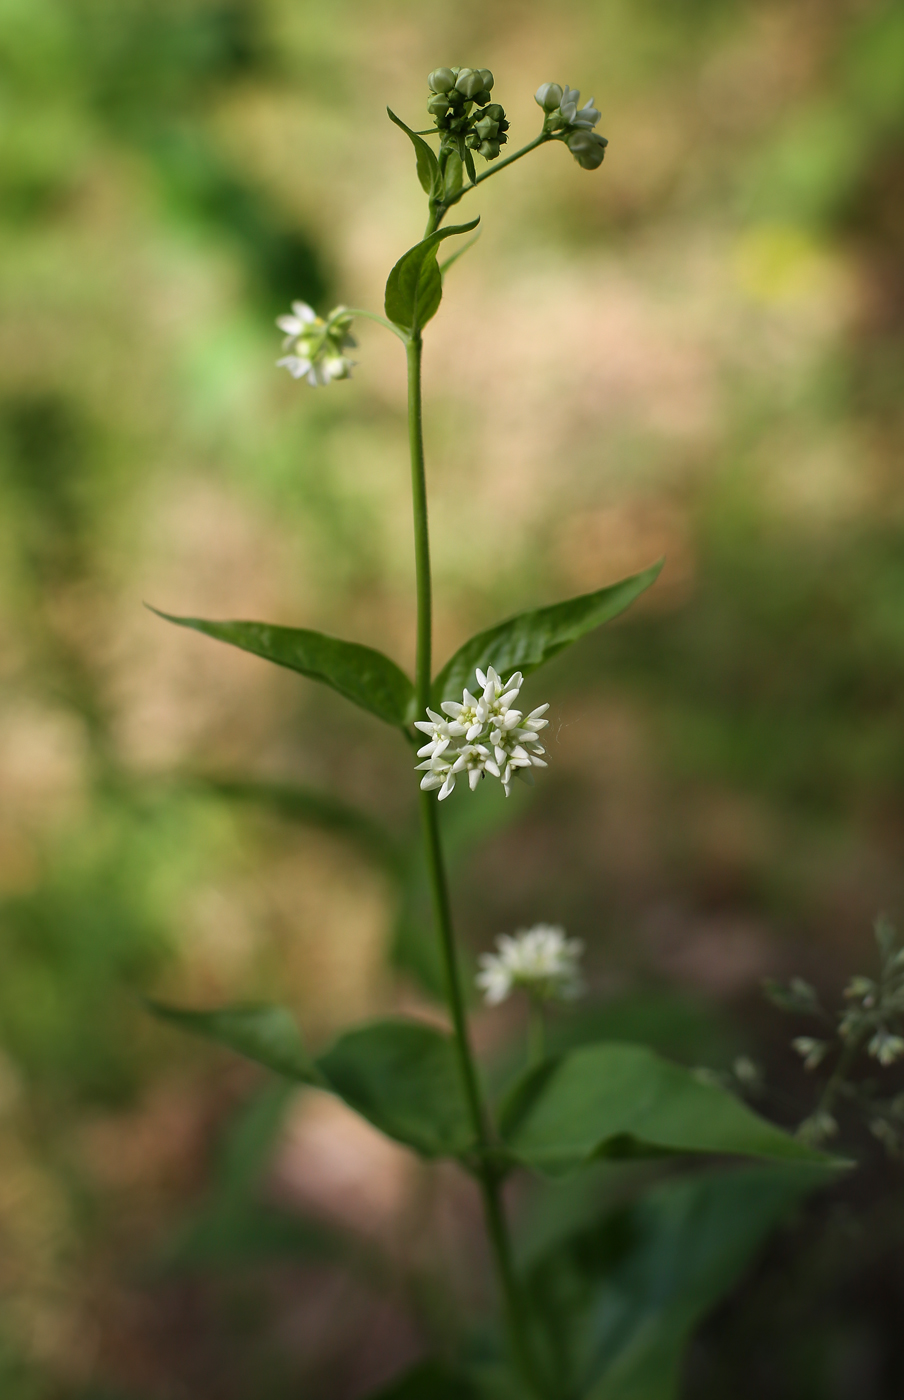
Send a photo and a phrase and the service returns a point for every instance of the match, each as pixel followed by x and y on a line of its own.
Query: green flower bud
pixel 495 111
pixel 488 79
pixel 487 129
pixel 489 149
pixel 441 79
pixel 439 105
pixel 549 95
pixel 482 99
pixel 587 148
pixel 469 83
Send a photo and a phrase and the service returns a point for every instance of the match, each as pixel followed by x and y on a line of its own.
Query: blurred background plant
pixel 704 357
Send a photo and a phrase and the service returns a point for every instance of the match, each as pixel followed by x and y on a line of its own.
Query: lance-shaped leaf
pixel 414 288
pixel 266 1034
pixel 524 642
pixel 358 672
pixel 427 165
pixel 621 1297
pixel 623 1100
pixel 404 1077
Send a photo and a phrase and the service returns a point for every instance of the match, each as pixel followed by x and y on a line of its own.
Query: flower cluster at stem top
pixel 461 107
pixel 539 960
pixel 481 734
pixel 572 124
pixel 318 346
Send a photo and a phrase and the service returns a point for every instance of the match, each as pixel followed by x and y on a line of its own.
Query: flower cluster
pixel 572 124
pixel 481 735
pixel 539 960
pixel 317 346
pixel 460 104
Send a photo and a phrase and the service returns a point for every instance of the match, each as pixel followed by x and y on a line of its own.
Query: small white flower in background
pixel 539 960
pixel 317 345
pixel 885 1047
pixel 481 734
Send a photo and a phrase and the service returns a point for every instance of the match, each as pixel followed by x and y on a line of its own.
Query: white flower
pixel 540 960
pixel 438 775
pixel 586 116
pixel 317 344
pixel 481 734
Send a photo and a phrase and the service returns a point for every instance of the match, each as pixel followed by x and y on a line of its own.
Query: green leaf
pixel 321 809
pixel 266 1034
pixel 619 1300
pixel 524 642
pixel 359 673
pixel 414 288
pixel 403 1076
pixel 430 1380
pixel 623 1100
pixel 427 164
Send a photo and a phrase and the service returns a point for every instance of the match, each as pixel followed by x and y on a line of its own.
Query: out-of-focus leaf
pixel 266 1034
pixel 623 1100
pixel 233 1227
pixel 317 808
pixel 359 673
pixel 447 262
pixel 620 1299
pixel 414 288
pixel 427 165
pixel 430 1380
pixel 403 1076
pixel 524 642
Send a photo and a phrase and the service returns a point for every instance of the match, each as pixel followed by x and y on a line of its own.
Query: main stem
pixel 487 1172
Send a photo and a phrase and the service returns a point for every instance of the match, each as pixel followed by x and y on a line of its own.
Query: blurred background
pixel 697 351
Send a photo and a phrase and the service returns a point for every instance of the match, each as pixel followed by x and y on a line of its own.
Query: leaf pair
pixel 602 1100
pixel 378 685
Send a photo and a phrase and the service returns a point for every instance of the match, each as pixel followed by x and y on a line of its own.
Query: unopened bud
pixel 587 148
pixel 494 111
pixel 489 149
pixel 438 105
pixel 487 129
pixel 487 79
pixel 549 95
pixel 441 80
pixel 469 83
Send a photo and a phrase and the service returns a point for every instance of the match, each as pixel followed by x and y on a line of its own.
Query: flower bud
pixel 469 83
pixel 438 105
pixel 487 79
pixel 489 149
pixel 487 129
pixel 549 95
pixel 587 148
pixel 441 80
pixel 494 111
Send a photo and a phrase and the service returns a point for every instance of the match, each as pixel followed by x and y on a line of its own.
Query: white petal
pixel 304 312
pixel 474 777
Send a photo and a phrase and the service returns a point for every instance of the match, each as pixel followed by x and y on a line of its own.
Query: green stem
pixel 536 1034
pixel 439 209
pixel 380 320
pixel 486 1167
